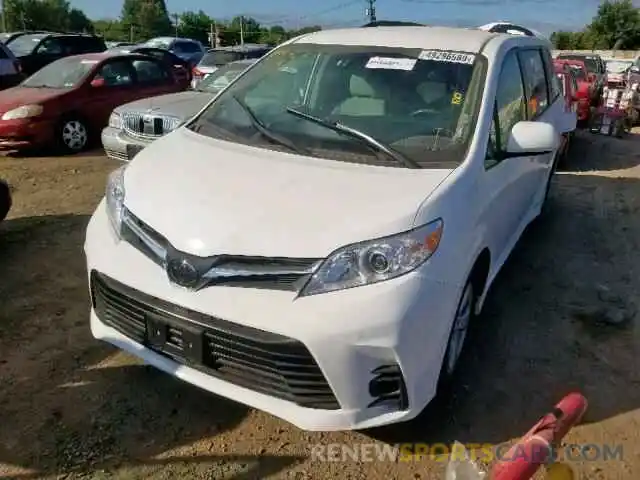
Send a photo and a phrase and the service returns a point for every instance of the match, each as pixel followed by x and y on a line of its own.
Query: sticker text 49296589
pixel 443 56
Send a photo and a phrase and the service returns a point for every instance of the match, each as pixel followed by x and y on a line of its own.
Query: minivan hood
pixel 182 105
pixel 209 197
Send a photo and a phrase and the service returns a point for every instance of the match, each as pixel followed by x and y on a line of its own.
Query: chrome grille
pixel 148 125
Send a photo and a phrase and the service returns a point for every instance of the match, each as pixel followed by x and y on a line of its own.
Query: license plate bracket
pixel 161 338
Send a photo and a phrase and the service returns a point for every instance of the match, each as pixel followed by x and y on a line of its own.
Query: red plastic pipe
pixel 535 448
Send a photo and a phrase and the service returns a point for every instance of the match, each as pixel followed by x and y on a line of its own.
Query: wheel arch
pixel 479 275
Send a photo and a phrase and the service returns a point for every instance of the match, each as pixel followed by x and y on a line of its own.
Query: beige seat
pixel 362 102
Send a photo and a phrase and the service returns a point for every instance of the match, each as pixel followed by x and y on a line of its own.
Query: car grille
pixel 271 273
pixel 148 125
pixel 261 361
pixel 116 155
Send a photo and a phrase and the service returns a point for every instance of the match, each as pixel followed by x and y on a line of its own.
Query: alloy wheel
pixel 74 135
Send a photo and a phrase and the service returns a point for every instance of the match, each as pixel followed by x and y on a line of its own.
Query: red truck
pixel 587 90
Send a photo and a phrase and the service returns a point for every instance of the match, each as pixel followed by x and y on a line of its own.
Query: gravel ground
pixel 562 315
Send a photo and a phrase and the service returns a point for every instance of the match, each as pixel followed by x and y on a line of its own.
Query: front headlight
pixel 115 120
pixel 114 198
pixel 26 111
pixel 375 261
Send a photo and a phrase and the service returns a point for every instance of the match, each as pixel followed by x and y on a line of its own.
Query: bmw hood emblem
pixel 183 273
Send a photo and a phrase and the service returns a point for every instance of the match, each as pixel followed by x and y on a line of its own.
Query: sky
pixel 543 15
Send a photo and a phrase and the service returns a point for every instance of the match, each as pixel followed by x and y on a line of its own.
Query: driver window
pixel 50 46
pixel 115 74
pixel 509 108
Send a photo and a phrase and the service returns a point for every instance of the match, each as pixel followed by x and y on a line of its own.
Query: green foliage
pixel 140 20
pixel 615 26
pixel 144 19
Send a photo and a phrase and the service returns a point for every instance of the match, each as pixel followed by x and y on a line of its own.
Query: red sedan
pixel 67 103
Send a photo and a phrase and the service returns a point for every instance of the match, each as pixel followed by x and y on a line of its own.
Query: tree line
pixel 616 26
pixel 140 20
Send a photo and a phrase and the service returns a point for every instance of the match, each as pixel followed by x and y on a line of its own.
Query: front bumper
pixel 403 323
pixel 115 142
pixel 26 133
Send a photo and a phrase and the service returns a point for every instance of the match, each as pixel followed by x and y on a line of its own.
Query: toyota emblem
pixel 182 273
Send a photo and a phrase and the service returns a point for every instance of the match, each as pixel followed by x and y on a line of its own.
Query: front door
pixel 153 77
pixel 545 103
pixel 112 85
pixel 503 184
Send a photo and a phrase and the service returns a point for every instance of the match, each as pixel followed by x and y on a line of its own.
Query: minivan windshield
pixel 360 104
pixel 67 72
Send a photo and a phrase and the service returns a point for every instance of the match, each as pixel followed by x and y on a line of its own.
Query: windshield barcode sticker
pixel 391 63
pixel 442 56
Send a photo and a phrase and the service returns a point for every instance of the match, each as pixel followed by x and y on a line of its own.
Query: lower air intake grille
pixel 258 360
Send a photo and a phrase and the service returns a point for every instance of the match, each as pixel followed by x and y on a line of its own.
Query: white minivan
pixel 316 240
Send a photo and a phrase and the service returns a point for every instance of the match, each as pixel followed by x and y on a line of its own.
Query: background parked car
pixel 181 68
pixel 187 49
pixel 70 100
pixel 135 125
pixel 10 69
pixel 617 70
pixel 5 199
pixel 218 57
pixel 34 51
pixel 595 66
pixel 8 37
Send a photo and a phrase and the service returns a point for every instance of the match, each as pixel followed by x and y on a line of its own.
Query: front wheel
pixel 464 315
pixel 73 135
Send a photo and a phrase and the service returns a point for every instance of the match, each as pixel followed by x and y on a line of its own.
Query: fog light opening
pixel 388 387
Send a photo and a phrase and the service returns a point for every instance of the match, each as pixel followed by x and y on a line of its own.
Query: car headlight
pixel 25 111
pixel 375 261
pixel 114 198
pixel 115 120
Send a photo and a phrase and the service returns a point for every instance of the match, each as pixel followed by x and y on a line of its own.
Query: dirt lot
pixel 71 407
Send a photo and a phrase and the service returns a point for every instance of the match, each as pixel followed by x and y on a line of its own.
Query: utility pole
pixel 241 30
pixel 4 16
pixel 212 34
pixel 371 10
pixel 177 22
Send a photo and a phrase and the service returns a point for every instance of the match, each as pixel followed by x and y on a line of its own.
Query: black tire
pixel 544 208
pixel 72 134
pixel 5 200
pixel 450 362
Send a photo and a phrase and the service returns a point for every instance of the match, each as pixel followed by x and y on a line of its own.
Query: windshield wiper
pixel 368 140
pixel 264 131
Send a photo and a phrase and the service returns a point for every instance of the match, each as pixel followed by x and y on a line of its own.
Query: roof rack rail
pixel 392 23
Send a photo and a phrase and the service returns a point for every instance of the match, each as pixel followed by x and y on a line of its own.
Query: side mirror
pixel 532 138
pixel 97 82
pixel 634 69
